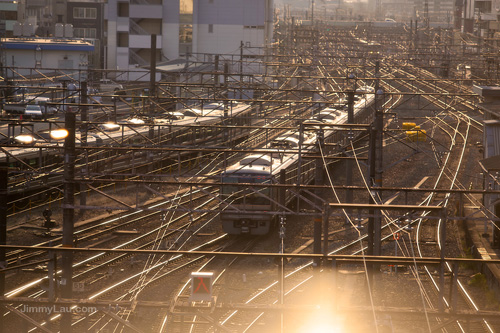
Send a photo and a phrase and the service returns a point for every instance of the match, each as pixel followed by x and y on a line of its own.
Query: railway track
pixel 453 123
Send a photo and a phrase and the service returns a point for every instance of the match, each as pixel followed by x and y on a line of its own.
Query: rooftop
pixel 60 44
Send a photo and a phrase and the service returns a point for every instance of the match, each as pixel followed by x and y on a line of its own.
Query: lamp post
pixel 68 217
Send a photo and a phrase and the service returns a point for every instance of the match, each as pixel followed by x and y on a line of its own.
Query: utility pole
pixel 216 70
pixel 68 217
pixel 318 180
pixel 312 12
pixel 281 266
pixel 379 141
pixel 241 60
pixel 415 43
pixel 3 234
pixel 84 128
pixel 152 76
pixel 371 201
pixel 152 93
pixel 350 135
pixel 269 32
pixel 376 165
pixel 426 15
pixel 326 216
pixel 241 70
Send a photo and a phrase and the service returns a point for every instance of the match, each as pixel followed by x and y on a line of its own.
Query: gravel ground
pixel 404 169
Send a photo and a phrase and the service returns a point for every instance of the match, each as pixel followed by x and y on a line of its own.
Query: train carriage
pixel 34 158
pixel 252 210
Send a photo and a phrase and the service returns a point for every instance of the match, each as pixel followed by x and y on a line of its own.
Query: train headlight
pixel 136 121
pixel 110 127
pixel 59 134
pixel 25 139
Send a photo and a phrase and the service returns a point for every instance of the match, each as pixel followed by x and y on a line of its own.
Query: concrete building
pixel 491 170
pixel 491 153
pixel 40 13
pixel 480 17
pixel 31 56
pixel 8 16
pixel 87 19
pixel 184 28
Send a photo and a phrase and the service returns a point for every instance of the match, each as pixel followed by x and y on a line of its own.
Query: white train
pixel 250 210
pixel 32 163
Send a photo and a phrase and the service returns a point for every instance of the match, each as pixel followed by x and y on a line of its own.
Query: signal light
pixel 201 286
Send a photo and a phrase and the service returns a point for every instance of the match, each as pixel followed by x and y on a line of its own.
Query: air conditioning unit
pixel 59 31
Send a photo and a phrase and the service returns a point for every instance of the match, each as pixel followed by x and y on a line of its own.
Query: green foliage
pixel 479 280
pixel 468 255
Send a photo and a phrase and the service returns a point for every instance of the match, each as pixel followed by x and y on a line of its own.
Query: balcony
pixel 146 2
pixel 143 41
pixel 146 11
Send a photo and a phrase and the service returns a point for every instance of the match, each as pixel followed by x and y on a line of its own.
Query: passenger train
pixel 193 129
pixel 250 210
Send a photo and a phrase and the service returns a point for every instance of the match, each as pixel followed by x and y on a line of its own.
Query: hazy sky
pixel 296 3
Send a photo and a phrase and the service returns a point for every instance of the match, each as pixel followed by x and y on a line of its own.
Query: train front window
pixel 228 189
pixel 240 195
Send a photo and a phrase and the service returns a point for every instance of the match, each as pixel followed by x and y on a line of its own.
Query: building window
pixel 84 13
pixel 210 28
pixel 122 39
pixel 253 27
pixel 123 9
pixel 185 33
pixel 10 15
pixel 85 32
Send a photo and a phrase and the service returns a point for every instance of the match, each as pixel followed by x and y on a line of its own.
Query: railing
pixel 134 58
pixel 139 2
pixel 136 29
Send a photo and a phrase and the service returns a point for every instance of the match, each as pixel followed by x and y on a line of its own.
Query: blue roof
pixel 30 45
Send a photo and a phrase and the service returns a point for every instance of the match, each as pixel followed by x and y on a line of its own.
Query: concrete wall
pixel 49 60
pixel 232 21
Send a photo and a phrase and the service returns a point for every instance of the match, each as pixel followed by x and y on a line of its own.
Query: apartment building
pixel 184 28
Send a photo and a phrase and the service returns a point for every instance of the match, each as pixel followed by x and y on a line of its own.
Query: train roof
pixel 256 160
pixel 288 141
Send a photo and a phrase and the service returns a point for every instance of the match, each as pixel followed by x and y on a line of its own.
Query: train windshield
pixel 247 196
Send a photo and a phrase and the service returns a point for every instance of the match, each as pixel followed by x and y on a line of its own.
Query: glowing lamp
pixel 110 127
pixel 136 121
pixel 59 134
pixel 25 139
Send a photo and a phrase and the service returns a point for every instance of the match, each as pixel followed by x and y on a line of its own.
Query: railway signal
pixel 201 286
